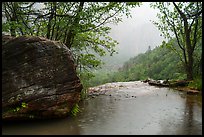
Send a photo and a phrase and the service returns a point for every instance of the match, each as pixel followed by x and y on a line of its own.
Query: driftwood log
pixel 180 85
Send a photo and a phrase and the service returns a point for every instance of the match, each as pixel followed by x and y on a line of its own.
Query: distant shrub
pixel 196 84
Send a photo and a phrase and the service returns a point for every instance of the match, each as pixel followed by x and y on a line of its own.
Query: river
pixel 126 108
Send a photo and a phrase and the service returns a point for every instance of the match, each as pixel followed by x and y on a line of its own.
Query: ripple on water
pixel 138 109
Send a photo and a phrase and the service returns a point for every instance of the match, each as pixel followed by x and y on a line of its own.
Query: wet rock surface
pixel 39 78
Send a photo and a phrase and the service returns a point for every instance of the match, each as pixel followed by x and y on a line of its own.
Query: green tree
pixel 82 26
pixel 184 20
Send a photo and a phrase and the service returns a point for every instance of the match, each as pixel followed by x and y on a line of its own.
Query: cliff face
pixel 39 78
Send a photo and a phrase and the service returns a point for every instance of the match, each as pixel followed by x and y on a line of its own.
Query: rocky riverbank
pixel 107 88
pixel 181 85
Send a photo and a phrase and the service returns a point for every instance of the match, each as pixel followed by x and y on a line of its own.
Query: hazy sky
pixel 137 33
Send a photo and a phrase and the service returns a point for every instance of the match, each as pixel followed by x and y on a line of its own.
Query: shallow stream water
pixel 127 108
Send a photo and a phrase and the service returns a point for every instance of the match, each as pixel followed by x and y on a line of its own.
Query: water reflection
pixel 67 126
pixel 96 115
pixel 140 110
pixel 189 121
pixel 191 116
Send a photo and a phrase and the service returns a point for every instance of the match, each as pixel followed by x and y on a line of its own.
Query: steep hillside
pixel 159 63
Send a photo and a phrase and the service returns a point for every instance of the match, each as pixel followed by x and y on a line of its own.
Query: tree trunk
pixel 201 65
pixel 188 44
pixel 189 51
pixel 12 27
pixel 71 34
pixel 189 71
pixel 189 65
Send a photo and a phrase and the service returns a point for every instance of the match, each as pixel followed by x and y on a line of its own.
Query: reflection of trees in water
pixel 188 123
pixel 64 126
pixel 97 109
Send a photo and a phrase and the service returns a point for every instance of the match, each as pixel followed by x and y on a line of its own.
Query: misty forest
pixel 89 68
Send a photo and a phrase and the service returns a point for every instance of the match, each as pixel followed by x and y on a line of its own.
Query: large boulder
pixel 39 79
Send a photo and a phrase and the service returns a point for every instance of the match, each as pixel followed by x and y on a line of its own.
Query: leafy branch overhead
pixel 82 26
